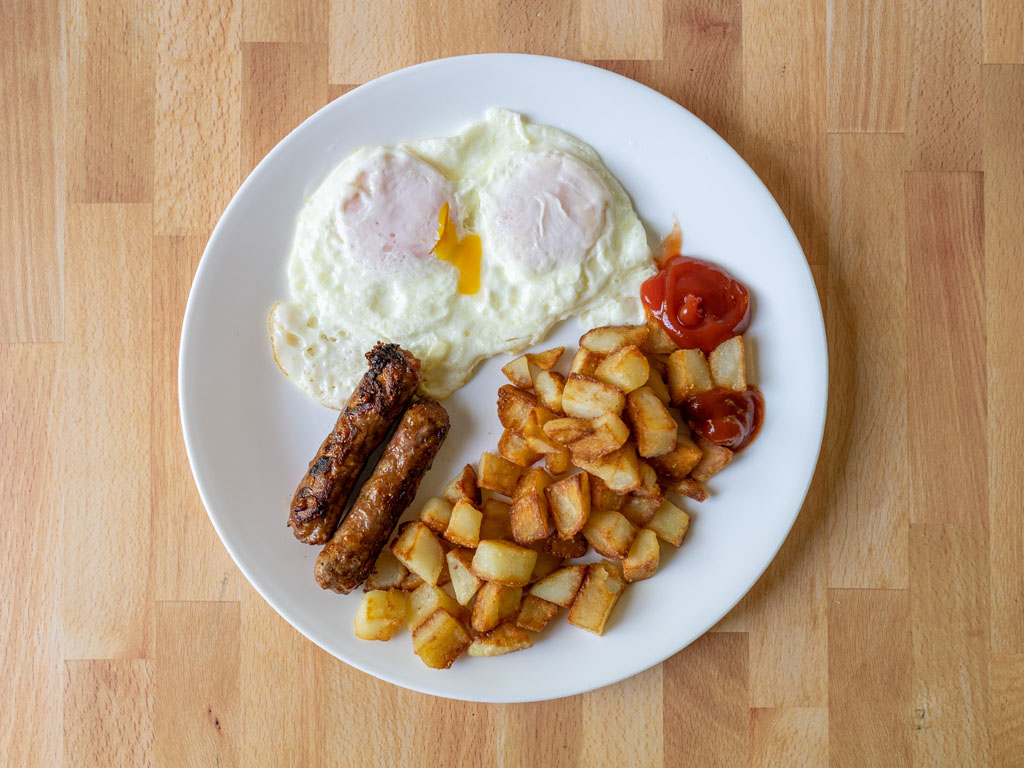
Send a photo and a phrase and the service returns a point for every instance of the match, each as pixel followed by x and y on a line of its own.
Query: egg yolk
pixel 463 254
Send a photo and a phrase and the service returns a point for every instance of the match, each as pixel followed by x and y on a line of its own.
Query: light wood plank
pixel 600 24
pixel 624 720
pixel 285 21
pixel 389 32
pixel 544 27
pixel 108 713
pixel 1003 31
pixel 790 736
pixel 547 733
pixel 107 392
pixel 464 27
pixel 1006 708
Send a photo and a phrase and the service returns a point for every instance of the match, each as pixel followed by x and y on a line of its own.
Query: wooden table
pixel 889 631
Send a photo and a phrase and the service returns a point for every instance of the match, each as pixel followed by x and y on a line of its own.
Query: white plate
pixel 250 433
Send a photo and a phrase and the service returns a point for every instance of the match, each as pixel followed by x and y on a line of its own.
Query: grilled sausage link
pixel 371 410
pixel 347 559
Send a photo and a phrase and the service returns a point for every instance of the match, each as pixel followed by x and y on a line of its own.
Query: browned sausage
pixel 378 400
pixel 347 559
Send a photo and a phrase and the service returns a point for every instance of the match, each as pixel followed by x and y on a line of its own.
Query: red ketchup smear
pixel 726 417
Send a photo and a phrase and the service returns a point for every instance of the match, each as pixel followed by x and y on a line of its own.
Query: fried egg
pixel 458 249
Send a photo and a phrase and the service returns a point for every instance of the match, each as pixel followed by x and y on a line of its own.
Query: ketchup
pixel 726 417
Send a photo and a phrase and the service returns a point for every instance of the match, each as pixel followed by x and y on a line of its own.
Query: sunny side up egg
pixel 458 249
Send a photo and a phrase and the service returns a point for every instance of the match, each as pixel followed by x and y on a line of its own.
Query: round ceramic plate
pixel 250 433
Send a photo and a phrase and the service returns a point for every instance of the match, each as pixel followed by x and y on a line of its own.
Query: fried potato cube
pixel 435 515
pixel 649 487
pixel 530 517
pixel 567 549
pixel 387 572
pixel 656 381
pixel 381 614
pixel 498 474
pixel 425 599
pixel 653 425
pixel 440 639
pixel 545 360
pixel 587 398
pixel 412 582
pixel 713 460
pixel 463 487
pixel 518 372
pixel 626 368
pixel 561 586
pixel 596 599
pixel 504 638
pixel 618 469
pixel 546 562
pixel 679 462
pixel 658 341
pixel 688 374
pixel 611 338
pixel 533 431
pixel 494 603
pixel 513 447
pixel 569 504
pixel 643 557
pixel 585 362
pixel 513 406
pixel 640 509
pixel 464 527
pixel 566 430
pixel 610 534
pixel 465 583
pixel 608 433
pixel 558 463
pixel 504 562
pixel 534 613
pixel 603 498
pixel 728 364
pixel 418 550
pixel 690 488
pixel 497 523
pixel 670 523
pixel 549 386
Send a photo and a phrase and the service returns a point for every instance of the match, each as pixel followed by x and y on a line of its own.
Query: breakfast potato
pixel 618 469
pixel 611 338
pixel 498 474
pixel 546 562
pixel 381 614
pixel 558 463
pixel 658 341
pixel 561 586
pixel 610 534
pixel 603 498
pixel 656 381
pixel 587 398
pixel 688 374
pixel 714 459
pixel 463 487
pixel 670 523
pixel 504 562
pixel 547 359
pixel 418 550
pixel 585 362
pixel 567 549
pixel 497 521
pixel 465 583
pixel 640 509
pixel 513 447
pixel 504 638
pixel 549 386
pixel 649 487
pixel 518 372
pixel 644 555
pixel 435 515
pixel 597 597
pixel 608 433
pixel 533 431
pixel 411 582
pixel 494 603
pixel 387 572
pixel 626 368
pixel 529 513
pixel 569 504
pixel 567 429
pixel 426 599
pixel 534 613
pixel 514 405
pixel 653 425
pixel 679 462
pixel 440 639
pixel 728 364
pixel 464 526
pixel 690 488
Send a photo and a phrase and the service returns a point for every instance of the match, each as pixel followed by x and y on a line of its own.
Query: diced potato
pixel 518 372
pixel 513 447
pixel 426 599
pixel 679 462
pixel 440 639
pixel 545 360
pixel 608 433
pixel 656 382
pixel 610 534
pixel 381 614
pixel 567 429
pixel 546 562
pixel 387 572
pixel 729 365
pixel 611 338
pixel 603 498
pixel 618 469
pixel 549 385
pixel 643 557
pixel 504 562
pixel 585 362
pixel 505 638
pixel 435 515
pixel 670 523
pixel 561 586
pixel 498 474
pixel 494 603
pixel 558 463
pixel 465 583
pixel 653 425
pixel 640 509
pixel 587 398
pixel 513 406
pixel 536 437
pixel 569 504
pixel 419 551
pixel 690 488
pixel 530 517
pixel 534 613
pixel 649 487
pixel 463 487
pixel 497 523
pixel 626 368
pixel 658 341
pixel 567 549
pixel 412 582
pixel 688 374
pixel 596 599
pixel 714 460
pixel 464 526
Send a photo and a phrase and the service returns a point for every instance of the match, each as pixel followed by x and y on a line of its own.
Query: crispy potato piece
pixel 381 614
pixel 536 437
pixel 640 509
pixel 670 523
pixel 618 469
pixel 649 488
pixel 425 599
pixel 513 406
pixel 587 398
pixel 418 550
pixel 534 613
pixel 714 460
pixel 494 603
pixel 728 364
pixel 504 562
pixel 435 515
pixel 412 582
pixel 688 374
pixel 518 372
pixel 679 462
pixel 497 522
pixel 566 430
pixel 513 447
pixel 608 433
pixel 561 586
pixel 387 572
pixel 611 338
pixel 643 557
pixel 440 639
pixel 464 526
pixel 504 638
pixel 498 474
pixel 567 549
pixel 658 341
pixel 549 386
pixel 596 599
pixel 569 504
pixel 465 583
pixel 690 488
pixel 585 362
pixel 530 517
pixel 626 368
pixel 610 534
pixel 463 487
pixel 558 463
pixel 546 562
pixel 653 425
pixel 545 360
pixel 656 381
pixel 603 498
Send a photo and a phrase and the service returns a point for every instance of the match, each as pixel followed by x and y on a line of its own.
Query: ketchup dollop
pixel 726 417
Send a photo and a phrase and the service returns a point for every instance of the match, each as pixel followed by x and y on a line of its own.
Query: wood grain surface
pixel 889 631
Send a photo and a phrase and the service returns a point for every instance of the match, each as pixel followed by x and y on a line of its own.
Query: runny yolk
pixel 463 254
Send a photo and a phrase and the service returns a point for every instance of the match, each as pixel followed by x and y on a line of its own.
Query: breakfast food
pixel 458 249
pixel 384 390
